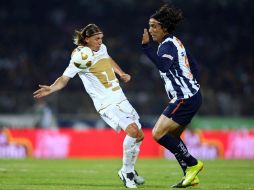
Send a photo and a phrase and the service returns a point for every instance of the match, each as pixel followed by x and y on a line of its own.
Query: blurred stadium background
pixel 35 48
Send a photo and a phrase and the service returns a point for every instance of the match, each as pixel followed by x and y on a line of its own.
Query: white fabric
pixel 135 153
pixel 128 150
pixel 98 78
pixel 120 115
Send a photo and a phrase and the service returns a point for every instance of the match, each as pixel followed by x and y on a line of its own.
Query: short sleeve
pixel 71 70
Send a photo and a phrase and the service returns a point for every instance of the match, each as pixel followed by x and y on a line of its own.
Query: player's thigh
pixel 123 116
pixel 131 118
pixel 163 126
pixel 128 109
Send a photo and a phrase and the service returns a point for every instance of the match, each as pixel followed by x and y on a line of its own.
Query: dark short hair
pixel 87 31
pixel 168 16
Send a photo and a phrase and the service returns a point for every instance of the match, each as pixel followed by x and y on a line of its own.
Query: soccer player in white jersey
pixel 100 82
pixel 179 71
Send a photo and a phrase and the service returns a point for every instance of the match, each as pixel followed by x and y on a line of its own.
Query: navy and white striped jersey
pixel 177 67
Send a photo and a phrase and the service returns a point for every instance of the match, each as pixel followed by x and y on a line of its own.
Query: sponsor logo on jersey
pixel 168 56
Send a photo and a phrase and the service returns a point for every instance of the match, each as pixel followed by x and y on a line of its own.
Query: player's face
pixel 156 30
pixel 94 42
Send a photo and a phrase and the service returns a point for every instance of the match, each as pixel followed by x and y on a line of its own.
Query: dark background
pixel 36 44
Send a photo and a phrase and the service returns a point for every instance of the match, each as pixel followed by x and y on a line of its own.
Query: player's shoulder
pixel 102 51
pixel 103 47
pixel 81 50
pixel 167 45
pixel 76 50
pixel 168 42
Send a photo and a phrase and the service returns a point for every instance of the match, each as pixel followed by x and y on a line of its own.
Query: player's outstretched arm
pixel 45 90
pixel 124 76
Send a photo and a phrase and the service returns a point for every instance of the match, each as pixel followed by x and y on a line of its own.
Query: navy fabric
pixel 177 67
pixel 183 110
pixel 178 148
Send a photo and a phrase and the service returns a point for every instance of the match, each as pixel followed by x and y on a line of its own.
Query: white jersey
pixel 99 79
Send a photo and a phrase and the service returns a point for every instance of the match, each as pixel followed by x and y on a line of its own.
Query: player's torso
pixel 100 80
pixel 179 81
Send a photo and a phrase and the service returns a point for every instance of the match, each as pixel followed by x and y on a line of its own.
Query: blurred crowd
pixel 36 44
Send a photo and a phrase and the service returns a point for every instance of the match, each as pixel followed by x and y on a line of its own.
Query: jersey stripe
pixel 179 81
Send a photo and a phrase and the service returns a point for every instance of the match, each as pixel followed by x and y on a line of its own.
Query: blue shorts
pixel 183 110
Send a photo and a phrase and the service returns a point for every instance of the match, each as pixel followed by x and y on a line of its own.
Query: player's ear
pixel 86 40
pixel 164 30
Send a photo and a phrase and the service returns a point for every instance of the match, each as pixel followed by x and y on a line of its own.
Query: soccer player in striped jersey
pixel 100 82
pixel 179 71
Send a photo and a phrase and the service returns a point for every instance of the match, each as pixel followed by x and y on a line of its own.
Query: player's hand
pixel 125 77
pixel 44 90
pixel 145 38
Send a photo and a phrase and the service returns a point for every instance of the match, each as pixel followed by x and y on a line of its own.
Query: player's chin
pixel 97 48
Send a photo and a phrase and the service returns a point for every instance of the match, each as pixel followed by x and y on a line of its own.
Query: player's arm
pixel 45 90
pixel 124 76
pixel 164 59
pixel 150 51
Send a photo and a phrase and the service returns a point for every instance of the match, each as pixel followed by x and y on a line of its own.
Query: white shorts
pixel 120 115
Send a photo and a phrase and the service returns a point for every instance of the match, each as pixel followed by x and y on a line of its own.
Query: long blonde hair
pixel 87 31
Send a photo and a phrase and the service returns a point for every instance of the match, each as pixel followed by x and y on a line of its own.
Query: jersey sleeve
pixel 164 58
pixel 71 70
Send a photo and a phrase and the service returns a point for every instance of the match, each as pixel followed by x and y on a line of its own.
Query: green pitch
pixel 102 174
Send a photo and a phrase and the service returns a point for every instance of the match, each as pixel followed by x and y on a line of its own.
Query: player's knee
pixel 140 136
pixel 157 134
pixel 132 130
